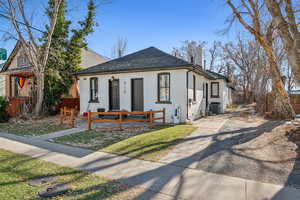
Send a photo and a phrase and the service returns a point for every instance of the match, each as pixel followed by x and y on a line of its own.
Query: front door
pixel 114 95
pixel 137 94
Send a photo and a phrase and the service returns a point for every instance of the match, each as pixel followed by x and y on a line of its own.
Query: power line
pixel 22 23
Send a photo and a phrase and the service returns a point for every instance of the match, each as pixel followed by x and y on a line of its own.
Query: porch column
pixel 9 86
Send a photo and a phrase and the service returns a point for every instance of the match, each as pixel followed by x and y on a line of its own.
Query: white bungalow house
pixel 152 79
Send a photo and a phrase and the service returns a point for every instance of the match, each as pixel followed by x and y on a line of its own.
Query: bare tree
pixel 250 61
pixel 250 14
pixel 191 51
pixel 214 53
pixel 285 16
pixel 15 13
pixel 120 48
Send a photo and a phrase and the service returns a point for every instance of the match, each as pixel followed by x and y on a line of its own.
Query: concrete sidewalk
pixel 169 179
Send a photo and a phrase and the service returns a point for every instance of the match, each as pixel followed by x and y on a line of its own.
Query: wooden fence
pixel 121 117
pixel 19 105
pixel 69 103
pixel 294 98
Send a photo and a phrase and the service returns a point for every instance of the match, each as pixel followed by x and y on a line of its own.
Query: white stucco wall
pixel 178 92
pixel 225 96
pixel 196 108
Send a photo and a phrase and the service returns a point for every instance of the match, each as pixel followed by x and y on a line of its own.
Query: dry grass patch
pixel 32 127
pixel 144 143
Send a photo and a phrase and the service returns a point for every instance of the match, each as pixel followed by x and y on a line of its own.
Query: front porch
pixel 19 88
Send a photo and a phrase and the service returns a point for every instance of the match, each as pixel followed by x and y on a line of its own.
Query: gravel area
pixel 250 147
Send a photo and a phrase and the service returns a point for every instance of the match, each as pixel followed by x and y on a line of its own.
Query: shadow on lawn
pixel 158 178
pixel 20 166
pixel 163 175
pixel 100 138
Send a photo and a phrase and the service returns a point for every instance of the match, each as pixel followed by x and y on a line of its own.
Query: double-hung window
pixel 215 90
pixel 164 87
pixel 94 89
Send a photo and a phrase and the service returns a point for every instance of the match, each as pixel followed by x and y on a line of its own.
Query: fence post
pixel 120 120
pixel 164 116
pixel 61 115
pixel 89 120
pixel 72 118
pixel 151 118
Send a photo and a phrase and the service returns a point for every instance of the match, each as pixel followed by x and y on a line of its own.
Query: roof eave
pixel 134 70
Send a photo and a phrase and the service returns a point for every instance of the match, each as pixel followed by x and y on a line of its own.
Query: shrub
pixel 4 117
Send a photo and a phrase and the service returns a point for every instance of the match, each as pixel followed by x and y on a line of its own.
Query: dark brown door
pixel 137 94
pixel 114 95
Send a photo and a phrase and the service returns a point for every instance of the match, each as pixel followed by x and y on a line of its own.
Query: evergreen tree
pixel 65 56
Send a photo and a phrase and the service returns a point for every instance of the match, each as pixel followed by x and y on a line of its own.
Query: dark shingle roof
pixel 146 59
pixel 216 75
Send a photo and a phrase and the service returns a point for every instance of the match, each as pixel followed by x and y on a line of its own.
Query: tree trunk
pixel 282 106
pixel 39 93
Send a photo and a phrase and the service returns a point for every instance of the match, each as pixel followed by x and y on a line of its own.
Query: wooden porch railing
pixel 150 117
pixel 20 105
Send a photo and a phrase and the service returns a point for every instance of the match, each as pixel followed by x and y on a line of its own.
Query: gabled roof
pixel 89 58
pixel 146 59
pixel 11 57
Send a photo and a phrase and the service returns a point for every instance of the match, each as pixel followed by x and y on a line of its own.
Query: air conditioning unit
pixel 215 107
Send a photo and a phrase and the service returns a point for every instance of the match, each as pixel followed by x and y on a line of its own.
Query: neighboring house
pixel 225 87
pixel 19 76
pixel 2 80
pixel 152 79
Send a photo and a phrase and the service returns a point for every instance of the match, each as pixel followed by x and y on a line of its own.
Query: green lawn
pixel 149 145
pixel 31 128
pixel 17 170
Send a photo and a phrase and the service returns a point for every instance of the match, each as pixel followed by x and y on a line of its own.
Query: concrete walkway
pixel 195 142
pixel 169 180
pixel 59 133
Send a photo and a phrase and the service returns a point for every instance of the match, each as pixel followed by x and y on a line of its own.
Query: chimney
pixel 192 60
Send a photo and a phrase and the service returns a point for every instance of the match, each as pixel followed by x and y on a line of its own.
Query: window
pixel 94 89
pixel 194 88
pixel 164 87
pixel 215 90
pixel 22 61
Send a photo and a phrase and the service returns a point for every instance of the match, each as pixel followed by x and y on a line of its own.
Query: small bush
pixel 4 117
pixel 232 106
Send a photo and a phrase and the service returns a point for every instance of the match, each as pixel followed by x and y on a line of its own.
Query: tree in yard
pixel 120 48
pixel 214 53
pixel 65 57
pixel 285 15
pixel 15 13
pixel 191 51
pixel 250 14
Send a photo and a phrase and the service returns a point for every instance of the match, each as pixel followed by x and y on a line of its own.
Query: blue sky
pixel 160 23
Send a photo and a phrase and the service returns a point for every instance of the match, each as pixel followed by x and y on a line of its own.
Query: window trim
pixel 96 89
pixel 211 90
pixel 158 88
